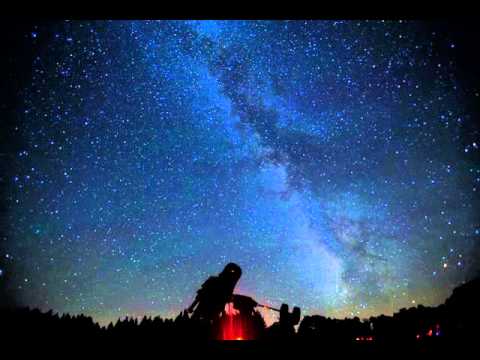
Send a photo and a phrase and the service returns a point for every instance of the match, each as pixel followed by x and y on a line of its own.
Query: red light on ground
pixel 364 338
pixel 231 326
pixel 430 332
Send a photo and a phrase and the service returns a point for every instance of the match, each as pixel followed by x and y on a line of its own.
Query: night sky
pixel 335 162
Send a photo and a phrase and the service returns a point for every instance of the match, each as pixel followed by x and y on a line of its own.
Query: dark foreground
pixel 451 328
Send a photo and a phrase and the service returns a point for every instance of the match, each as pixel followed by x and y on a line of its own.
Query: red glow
pixel 364 338
pixel 418 336
pixel 232 328
pixel 430 332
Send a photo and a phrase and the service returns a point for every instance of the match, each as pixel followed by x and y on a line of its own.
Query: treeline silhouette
pixel 456 320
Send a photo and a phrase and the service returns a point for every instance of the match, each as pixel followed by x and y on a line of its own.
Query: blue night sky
pixel 325 158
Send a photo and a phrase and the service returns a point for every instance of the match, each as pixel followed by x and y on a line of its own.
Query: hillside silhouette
pixel 421 327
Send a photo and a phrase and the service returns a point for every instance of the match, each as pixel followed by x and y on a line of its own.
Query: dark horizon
pixel 53 313
pixel 450 327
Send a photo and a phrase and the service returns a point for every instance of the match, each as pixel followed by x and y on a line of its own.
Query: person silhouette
pixel 285 327
pixel 215 293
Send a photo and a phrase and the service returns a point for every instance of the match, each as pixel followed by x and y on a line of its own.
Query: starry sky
pixel 334 161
